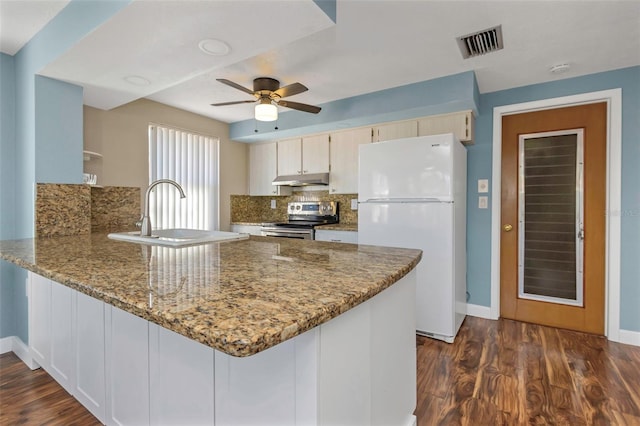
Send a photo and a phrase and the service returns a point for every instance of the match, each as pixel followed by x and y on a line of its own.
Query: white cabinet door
pixel 315 154
pixel 290 157
pixel 399 130
pixel 90 386
pixel 247 229
pixel 344 160
pixel 460 124
pixel 181 379
pixel 263 169
pixel 127 348
pixel 40 320
pixel 257 390
pixel 62 365
pixel 337 236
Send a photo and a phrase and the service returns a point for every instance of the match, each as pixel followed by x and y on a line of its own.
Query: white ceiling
pixel 374 45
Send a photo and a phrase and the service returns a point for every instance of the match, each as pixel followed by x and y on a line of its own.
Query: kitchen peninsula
pixel 258 331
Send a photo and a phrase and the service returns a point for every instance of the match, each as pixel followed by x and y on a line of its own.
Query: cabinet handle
pixel 273 192
pixel 333 190
pixel 299 172
pixel 305 171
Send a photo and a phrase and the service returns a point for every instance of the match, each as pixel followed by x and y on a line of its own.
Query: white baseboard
pixel 629 337
pixel 479 311
pixel 6 344
pixel 17 346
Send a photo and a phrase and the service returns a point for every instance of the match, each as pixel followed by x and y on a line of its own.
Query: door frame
pixel 613 98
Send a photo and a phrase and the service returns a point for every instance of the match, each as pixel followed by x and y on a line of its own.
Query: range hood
pixel 302 180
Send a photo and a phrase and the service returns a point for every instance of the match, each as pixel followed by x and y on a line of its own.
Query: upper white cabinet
pixel 460 124
pixel 344 160
pixel 397 130
pixel 263 169
pixel 303 155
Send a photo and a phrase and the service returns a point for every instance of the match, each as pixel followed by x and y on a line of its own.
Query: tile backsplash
pixel 66 209
pixel 257 209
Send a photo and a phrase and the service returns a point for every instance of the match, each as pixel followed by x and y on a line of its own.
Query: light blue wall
pixel 58 147
pixel 479 221
pixel 48 135
pixel 441 95
pixel 7 186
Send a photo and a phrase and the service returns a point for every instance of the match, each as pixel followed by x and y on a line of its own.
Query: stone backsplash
pixel 66 209
pixel 114 208
pixel 257 209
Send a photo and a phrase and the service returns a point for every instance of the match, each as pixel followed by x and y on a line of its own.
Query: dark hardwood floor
pixel 496 373
pixel 511 373
pixel 34 398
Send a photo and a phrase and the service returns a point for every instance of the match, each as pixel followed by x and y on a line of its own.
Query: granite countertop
pixel 238 297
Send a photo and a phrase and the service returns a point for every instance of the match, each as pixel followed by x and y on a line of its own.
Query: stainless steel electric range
pixel 304 216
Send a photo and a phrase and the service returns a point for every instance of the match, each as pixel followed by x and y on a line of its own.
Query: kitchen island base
pixel 356 369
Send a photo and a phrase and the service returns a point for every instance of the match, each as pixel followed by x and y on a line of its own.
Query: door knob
pixel 508 227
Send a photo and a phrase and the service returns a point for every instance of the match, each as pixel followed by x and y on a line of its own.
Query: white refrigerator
pixel 412 193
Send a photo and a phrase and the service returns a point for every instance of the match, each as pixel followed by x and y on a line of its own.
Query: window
pixel 191 160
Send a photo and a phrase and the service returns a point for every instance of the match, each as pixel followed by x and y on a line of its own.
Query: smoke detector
pixel 481 42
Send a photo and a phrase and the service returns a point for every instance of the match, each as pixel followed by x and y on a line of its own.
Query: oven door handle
pixel 290 233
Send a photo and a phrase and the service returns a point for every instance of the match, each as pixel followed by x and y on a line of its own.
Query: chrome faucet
pixel 145 221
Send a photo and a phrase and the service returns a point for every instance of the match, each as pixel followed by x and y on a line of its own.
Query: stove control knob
pixel 298 207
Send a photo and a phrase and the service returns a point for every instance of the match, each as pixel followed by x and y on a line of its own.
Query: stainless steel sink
pixel 178 237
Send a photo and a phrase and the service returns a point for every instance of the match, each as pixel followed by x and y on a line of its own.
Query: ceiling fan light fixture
pixel 266 111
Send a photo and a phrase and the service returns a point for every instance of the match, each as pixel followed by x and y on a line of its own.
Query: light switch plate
pixel 483 202
pixel 354 204
pixel 273 204
pixel 483 185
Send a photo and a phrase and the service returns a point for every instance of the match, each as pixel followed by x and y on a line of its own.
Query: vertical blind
pixel 192 161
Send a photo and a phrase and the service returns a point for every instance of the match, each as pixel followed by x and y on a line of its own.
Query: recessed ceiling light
pixel 214 47
pixel 559 69
pixel 137 80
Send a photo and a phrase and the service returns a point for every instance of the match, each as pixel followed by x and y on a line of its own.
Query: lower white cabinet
pixel 62 356
pixel 90 388
pixel 181 379
pixel 337 236
pixel 127 368
pixel 246 229
pixel 40 320
pixel 358 368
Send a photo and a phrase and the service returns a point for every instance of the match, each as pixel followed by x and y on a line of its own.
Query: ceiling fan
pixel 268 94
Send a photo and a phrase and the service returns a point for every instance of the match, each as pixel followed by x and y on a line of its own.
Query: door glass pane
pixel 550 217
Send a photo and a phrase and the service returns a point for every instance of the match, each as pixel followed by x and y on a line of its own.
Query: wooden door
pixel 536 242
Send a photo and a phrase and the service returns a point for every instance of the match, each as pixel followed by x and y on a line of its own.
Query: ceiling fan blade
pixel 300 107
pixel 290 90
pixel 235 85
pixel 234 103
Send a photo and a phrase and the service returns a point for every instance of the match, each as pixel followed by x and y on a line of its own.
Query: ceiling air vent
pixel 481 42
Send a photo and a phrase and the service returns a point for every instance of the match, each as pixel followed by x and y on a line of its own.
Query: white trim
pixel 629 337
pixel 17 346
pixel 613 98
pixel 479 311
pixel 6 344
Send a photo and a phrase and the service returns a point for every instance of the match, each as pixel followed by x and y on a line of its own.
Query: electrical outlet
pixel 483 202
pixel 273 204
pixel 354 204
pixel 483 185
